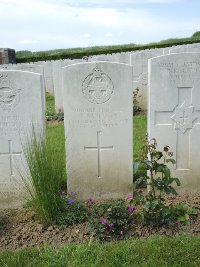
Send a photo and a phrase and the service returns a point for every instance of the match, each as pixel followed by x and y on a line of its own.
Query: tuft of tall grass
pixel 45 172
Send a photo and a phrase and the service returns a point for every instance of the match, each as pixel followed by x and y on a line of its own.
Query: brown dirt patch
pixel 20 229
pixel 142 112
pixel 54 122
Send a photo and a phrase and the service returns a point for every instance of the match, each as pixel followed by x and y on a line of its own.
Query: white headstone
pixel 57 80
pixel 6 66
pixel 166 50
pixel 116 57
pixel 103 57
pixel 98 129
pixel 21 107
pixel 48 77
pixel 174 112
pixel 29 67
pixel 185 48
pixel 139 61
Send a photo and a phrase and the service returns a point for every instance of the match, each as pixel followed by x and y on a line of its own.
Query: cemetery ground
pixel 25 241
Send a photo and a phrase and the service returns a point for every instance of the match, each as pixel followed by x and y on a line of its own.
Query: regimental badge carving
pixel 184 117
pixel 9 92
pixel 97 87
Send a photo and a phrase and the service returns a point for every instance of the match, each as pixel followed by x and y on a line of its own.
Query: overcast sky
pixel 52 24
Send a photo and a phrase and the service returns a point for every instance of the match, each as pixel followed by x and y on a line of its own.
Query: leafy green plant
pixel 159 179
pixel 112 218
pixel 139 175
pixel 136 107
pixel 184 213
pixel 45 173
pixel 74 211
pixel 51 116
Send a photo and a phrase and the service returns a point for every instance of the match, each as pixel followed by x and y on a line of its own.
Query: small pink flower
pixel 90 200
pixel 131 208
pixel 130 197
pixel 110 225
pixel 103 220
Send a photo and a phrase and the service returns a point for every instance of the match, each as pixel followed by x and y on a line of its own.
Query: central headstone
pixel 98 128
pixel 174 112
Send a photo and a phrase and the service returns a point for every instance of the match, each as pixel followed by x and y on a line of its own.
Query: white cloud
pixel 108 35
pixel 28 42
pixel 116 2
pixel 86 35
pixel 83 3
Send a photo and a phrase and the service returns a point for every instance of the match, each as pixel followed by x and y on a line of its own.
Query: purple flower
pixel 90 200
pixel 70 200
pixel 131 208
pixel 103 220
pixel 110 225
pixel 72 193
pixel 130 197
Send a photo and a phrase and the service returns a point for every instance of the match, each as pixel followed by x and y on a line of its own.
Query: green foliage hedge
pixel 196 35
pixel 76 53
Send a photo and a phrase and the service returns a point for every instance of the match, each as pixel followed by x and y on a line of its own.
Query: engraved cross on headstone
pixel 10 153
pixel 99 148
pixel 183 117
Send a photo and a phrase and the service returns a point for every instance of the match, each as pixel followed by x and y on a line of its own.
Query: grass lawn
pixel 156 251
pixel 139 132
pixel 56 139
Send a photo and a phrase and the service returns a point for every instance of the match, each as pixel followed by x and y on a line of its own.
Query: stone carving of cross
pixel 183 118
pixel 10 154
pixel 99 148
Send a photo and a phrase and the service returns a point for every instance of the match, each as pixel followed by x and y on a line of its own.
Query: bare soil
pixel 54 122
pixel 20 229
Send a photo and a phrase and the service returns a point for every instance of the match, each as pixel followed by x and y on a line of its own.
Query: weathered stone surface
pixel 186 48
pixel 139 61
pixel 48 77
pixel 174 112
pixel 6 66
pixel 116 57
pixel 57 80
pixel 98 129
pixel 28 67
pixel 21 108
